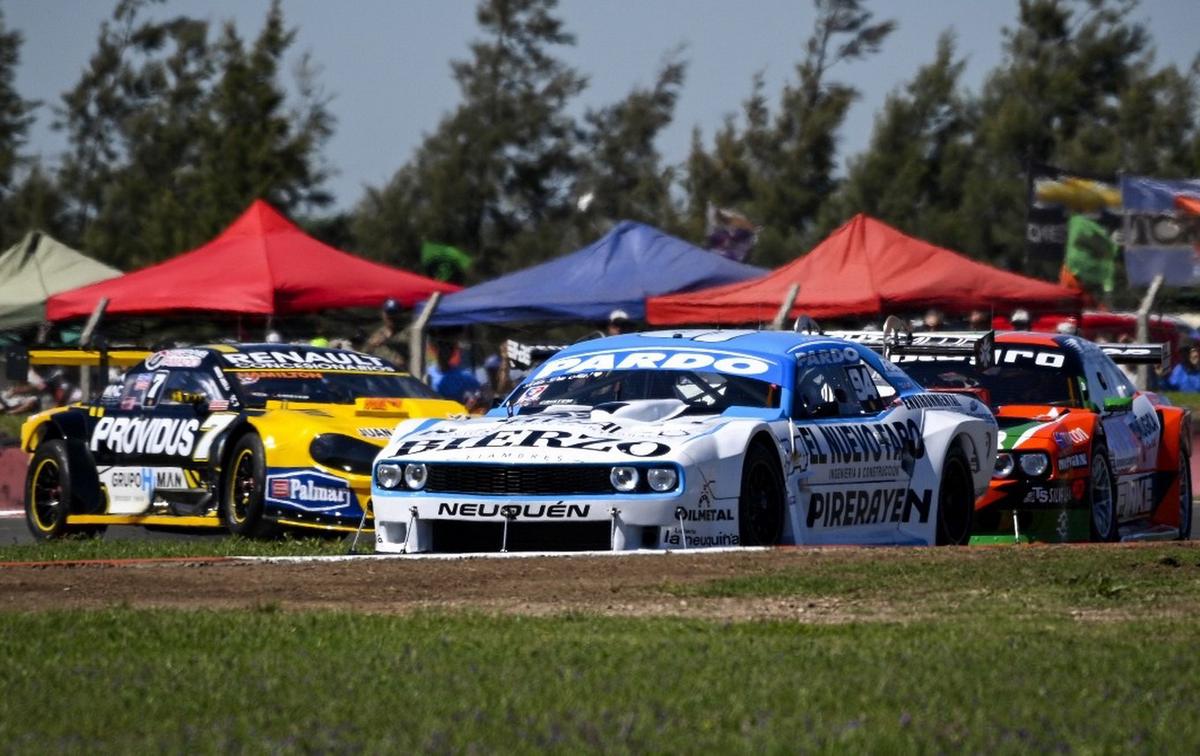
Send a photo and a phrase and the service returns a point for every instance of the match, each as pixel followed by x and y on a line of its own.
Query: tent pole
pixel 1143 327
pixel 785 308
pixel 416 337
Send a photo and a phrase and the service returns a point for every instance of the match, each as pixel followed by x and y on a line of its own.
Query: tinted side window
pixel 838 391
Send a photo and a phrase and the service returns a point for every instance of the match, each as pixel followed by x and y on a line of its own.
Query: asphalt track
pixel 13 530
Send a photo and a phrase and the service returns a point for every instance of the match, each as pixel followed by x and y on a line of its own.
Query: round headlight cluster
pixel 388 475
pixel 415 475
pixel 1035 464
pixel 1004 465
pixel 624 478
pixel 662 478
pixel 391 475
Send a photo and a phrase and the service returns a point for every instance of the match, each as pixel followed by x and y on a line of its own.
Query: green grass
pixel 69 549
pixel 1189 399
pixel 10 425
pixel 989 579
pixel 150 681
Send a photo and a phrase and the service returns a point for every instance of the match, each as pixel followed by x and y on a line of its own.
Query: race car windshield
pixel 258 386
pixel 702 392
pixel 998 385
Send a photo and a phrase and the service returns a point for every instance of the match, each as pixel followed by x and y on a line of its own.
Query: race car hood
pixel 1022 426
pixel 370 419
pixel 645 430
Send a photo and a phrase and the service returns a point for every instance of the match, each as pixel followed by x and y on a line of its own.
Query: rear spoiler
pixel 897 338
pixel 20 359
pixel 1137 354
pixel 525 356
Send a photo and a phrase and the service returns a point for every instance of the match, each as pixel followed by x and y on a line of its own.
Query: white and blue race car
pixel 688 439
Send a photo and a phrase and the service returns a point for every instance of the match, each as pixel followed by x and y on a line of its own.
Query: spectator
pixel 933 320
pixel 1070 327
pixel 489 385
pixel 1186 375
pixel 618 323
pixel 450 381
pixel 978 320
pixel 1020 320
pixel 387 341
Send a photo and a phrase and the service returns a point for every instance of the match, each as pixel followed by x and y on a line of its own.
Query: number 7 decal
pixel 212 427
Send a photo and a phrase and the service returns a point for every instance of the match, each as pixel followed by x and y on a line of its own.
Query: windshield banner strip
pixel 702 360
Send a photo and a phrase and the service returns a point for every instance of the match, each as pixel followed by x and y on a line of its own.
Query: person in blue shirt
pixel 1186 375
pixel 449 381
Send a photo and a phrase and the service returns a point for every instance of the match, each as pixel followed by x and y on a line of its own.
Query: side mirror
pixel 1118 403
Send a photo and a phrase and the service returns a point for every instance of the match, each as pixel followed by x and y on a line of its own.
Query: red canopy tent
pixel 262 264
pixel 866 268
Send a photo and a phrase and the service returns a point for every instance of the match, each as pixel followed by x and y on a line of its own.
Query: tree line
pixel 174 127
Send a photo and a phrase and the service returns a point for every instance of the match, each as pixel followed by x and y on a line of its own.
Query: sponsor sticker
pixel 169 436
pixel 298 359
pixel 176 358
pixel 721 362
pixel 828 356
pixel 557 511
pixel 1072 461
pixel 384 433
pixel 868 506
pixel 532 439
pixel 1047 495
pixel 309 490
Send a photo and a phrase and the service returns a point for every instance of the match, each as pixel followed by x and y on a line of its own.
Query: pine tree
pixel 910 174
pixel 16 114
pixel 779 169
pixel 498 168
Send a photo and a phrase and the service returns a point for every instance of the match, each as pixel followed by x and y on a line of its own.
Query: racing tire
pixel 1102 498
pixel 956 500
pixel 243 511
pixel 761 502
pixel 1185 495
pixel 48 496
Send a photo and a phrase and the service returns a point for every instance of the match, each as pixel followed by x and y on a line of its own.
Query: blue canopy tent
pixel 629 263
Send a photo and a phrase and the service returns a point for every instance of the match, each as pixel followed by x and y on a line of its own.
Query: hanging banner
pixel 1161 232
pixel 1055 196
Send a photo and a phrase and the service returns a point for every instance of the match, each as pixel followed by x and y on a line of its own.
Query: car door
pixel 145 440
pixel 854 448
pixel 1132 431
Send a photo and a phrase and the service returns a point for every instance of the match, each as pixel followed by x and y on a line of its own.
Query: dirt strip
pixel 631 586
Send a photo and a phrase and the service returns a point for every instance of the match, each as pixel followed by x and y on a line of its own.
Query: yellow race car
pixel 245 437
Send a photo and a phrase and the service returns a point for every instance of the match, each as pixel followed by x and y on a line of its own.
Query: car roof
pixel 772 344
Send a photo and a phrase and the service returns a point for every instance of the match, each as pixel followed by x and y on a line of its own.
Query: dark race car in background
pixel 245 437
pixel 1083 455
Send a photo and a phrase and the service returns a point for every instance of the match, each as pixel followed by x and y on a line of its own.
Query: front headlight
pixel 662 478
pixel 1004 465
pixel 415 475
pixel 388 475
pixel 1034 464
pixel 343 453
pixel 623 478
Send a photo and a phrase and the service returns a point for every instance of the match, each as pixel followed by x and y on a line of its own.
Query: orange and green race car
pixel 242 437
pixel 1083 454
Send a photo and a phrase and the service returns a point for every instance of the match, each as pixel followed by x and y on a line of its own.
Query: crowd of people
pixel 476 378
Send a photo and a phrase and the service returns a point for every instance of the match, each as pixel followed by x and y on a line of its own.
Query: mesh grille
pixel 501 480
pixel 461 537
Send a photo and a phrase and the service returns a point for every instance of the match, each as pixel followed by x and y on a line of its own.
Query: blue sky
pixel 386 62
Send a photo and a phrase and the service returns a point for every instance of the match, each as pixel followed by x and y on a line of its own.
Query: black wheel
pixel 48 498
pixel 956 500
pixel 1102 497
pixel 242 509
pixel 760 506
pixel 1185 494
